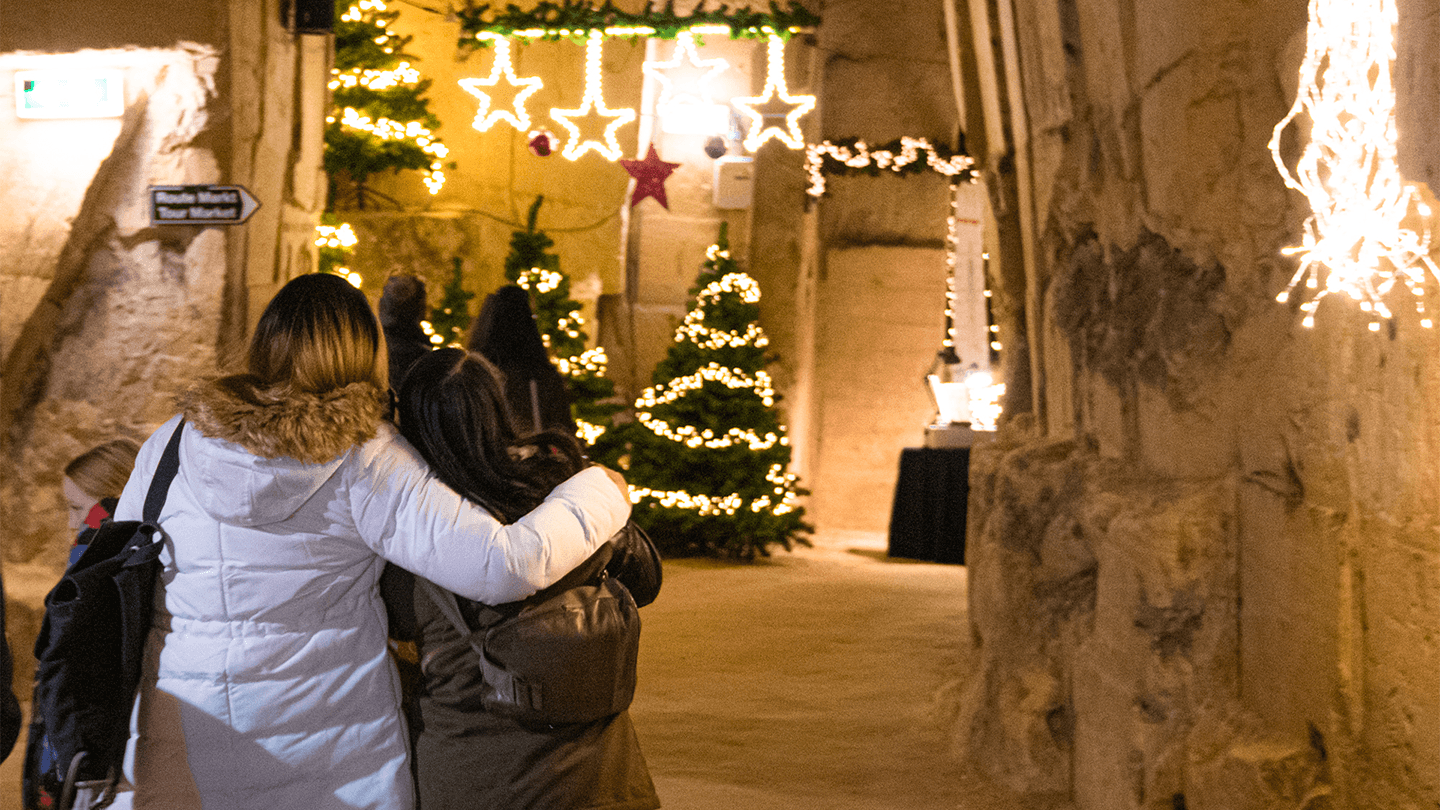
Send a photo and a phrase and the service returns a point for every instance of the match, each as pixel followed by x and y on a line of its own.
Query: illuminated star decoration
pixel 649 175
pixel 592 107
pixel 502 73
pixel 684 86
pixel 775 104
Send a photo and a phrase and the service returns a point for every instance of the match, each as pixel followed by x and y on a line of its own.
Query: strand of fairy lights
pixel 712 372
pixel 389 130
pixel 503 70
pixel 1355 242
pixel 371 79
pixel 983 393
pixel 543 280
pixel 775 94
pixel 784 501
pixel 690 436
pixel 339 237
pixel 694 330
pixel 860 156
pixel 592 104
pixel 384 128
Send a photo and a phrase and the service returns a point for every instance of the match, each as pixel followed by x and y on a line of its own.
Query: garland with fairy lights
pixel 906 155
pixel 568 19
pixel 706 455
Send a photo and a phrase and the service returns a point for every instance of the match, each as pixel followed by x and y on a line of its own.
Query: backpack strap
pixel 164 474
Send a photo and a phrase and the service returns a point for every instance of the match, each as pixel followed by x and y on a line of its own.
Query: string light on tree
pixel 388 130
pixel 592 111
pixel 371 85
pixel 775 104
pixel 335 243
pixel 403 74
pixel 1369 231
pixel 504 83
pixel 707 453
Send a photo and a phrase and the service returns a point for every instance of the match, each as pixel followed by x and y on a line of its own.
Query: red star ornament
pixel 649 175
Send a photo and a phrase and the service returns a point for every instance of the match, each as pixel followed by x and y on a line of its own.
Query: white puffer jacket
pixel 267 684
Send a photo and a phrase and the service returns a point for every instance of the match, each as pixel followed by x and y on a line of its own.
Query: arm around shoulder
pixel 412 519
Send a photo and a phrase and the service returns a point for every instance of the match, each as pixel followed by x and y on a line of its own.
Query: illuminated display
pixel 775 105
pixel 69 93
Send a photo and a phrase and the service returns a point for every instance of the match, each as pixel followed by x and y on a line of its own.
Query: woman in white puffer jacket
pixel 267 683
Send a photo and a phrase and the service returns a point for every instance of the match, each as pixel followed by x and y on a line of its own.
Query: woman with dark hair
pixel 453 409
pixel 506 334
pixel 267 681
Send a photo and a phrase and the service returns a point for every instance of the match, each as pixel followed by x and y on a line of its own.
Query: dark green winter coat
pixel 467 758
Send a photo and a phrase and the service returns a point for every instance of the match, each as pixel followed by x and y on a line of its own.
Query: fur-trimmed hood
pixel 274 422
pixel 256 454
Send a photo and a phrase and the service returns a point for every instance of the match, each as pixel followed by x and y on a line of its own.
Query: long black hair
pixel 453 409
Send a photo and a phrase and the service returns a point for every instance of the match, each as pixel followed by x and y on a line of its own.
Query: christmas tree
pixel 708 457
pixel 379 118
pixel 450 318
pixel 557 315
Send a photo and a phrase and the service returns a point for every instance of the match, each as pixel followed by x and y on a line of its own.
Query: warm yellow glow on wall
pixel 592 110
pixel 1361 239
pixel 775 104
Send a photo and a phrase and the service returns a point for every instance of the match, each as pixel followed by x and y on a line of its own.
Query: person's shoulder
pixel 386 450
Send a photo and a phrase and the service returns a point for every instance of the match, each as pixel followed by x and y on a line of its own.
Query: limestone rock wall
pixel 1203 560
pixel 106 317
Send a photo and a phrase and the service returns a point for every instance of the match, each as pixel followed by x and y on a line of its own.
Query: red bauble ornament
pixel 541 143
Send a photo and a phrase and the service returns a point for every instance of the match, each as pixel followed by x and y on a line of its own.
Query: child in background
pixel 92 485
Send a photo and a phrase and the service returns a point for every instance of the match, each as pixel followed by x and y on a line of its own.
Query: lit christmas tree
pixel 379 119
pixel 450 319
pixel 708 457
pixel 557 315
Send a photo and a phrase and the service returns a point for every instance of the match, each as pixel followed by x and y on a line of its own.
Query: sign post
pixel 200 205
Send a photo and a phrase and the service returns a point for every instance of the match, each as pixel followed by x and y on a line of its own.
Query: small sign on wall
pixel 98 93
pixel 200 205
pixel 734 182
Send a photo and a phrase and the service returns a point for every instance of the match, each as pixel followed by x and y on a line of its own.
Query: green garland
pixel 575 17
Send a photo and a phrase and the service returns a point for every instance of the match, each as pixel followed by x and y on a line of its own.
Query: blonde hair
pixel 101 472
pixel 318 334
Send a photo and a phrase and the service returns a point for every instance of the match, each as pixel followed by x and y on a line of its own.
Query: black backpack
pixel 92 640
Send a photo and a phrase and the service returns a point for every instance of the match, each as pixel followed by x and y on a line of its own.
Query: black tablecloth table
pixel 927 521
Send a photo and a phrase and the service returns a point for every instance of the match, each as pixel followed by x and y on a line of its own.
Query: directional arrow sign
pixel 200 205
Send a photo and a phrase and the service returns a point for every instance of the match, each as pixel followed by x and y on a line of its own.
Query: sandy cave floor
pixel 812 680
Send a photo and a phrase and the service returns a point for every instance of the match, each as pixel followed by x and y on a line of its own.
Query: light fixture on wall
pixel 592 107
pixel 95 93
pixel 1369 230
pixel 685 105
pixel 775 106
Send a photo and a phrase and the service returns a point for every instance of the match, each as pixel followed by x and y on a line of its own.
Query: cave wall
pixel 1204 558
pixel 106 316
